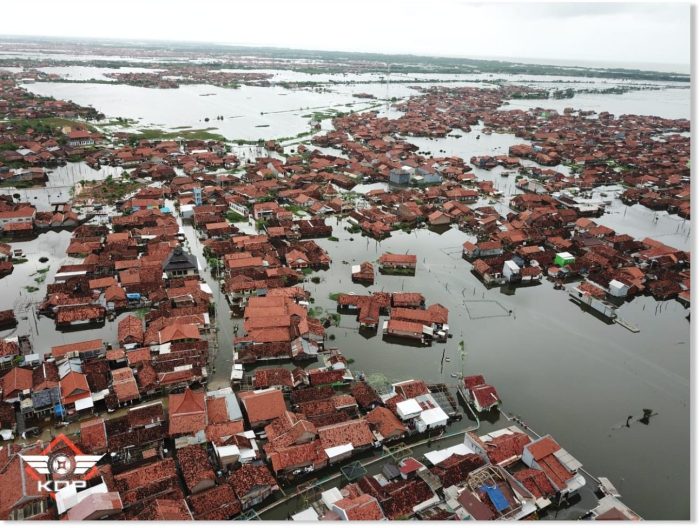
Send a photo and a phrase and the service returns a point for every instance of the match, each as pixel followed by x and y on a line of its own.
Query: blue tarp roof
pixel 58 409
pixel 497 497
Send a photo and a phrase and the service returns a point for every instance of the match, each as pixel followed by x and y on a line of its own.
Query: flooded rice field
pixel 252 112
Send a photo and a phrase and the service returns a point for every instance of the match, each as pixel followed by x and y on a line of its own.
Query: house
pixel 262 406
pixel 180 264
pixel 165 510
pixel 46 393
pixel 252 484
pixel 75 392
pixel 15 382
pixel 20 498
pixel 23 214
pixel 365 396
pixel 124 385
pixel 400 176
pixel 610 508
pixel 438 218
pixel 215 504
pixel 83 349
pixel 197 471
pixel 558 465
pixel 390 262
pixel 187 415
pixel 98 504
pixel 407 300
pixel 407 329
pixel 93 435
pixel 385 424
pixel 363 273
pixel 86 314
pixel 343 439
pixel 491 493
pixel 477 392
pixel 130 332
pixel 145 481
pixel 361 508
pixel 79 138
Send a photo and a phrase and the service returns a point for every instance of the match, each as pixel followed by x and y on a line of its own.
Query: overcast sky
pixel 573 32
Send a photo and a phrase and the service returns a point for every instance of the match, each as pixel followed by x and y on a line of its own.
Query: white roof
pixel 616 284
pixel 309 514
pixel 227 450
pixel 512 265
pixel 408 407
pixel 84 403
pixel 356 268
pixel 338 450
pixel 565 255
pixel 69 496
pixel 437 456
pixel 331 496
pixel 433 416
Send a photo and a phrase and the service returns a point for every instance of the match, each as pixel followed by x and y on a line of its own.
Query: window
pixel 28 511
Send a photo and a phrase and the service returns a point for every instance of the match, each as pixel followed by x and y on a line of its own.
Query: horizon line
pixel 511 60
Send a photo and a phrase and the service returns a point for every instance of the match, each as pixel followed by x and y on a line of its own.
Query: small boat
pixel 447 360
pixel 454 375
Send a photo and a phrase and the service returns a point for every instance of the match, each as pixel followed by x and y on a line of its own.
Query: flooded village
pixel 430 300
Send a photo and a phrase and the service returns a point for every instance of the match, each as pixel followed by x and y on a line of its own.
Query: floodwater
pixel 672 103
pixel 249 112
pixel 60 182
pixel 563 370
pixel 252 112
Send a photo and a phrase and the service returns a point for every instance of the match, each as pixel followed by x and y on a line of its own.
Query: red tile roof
pixel 15 381
pixel 165 510
pixel 536 482
pixel 177 332
pixel 385 422
pixel 216 504
pixel 264 405
pixel 355 432
pixel 273 377
pixel 186 413
pixel 124 384
pixel 249 478
pixel 505 447
pixel 74 386
pixel 195 466
pixel 362 508
pixel 93 435
pixel 217 411
pixel 83 346
pixel 394 259
pixel 296 456
pixel 130 330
